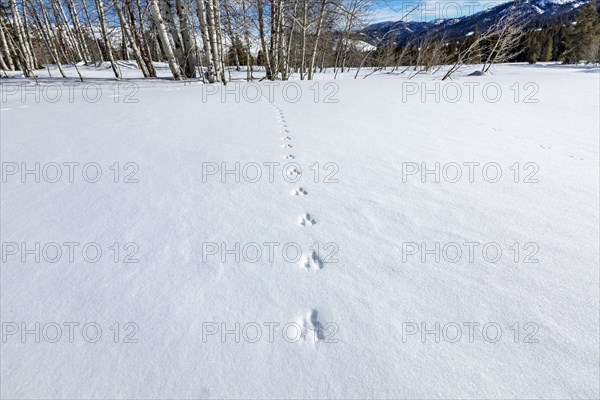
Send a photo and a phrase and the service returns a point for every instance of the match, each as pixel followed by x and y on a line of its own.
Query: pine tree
pixel 548 50
pixel 533 59
pixel 472 40
pixel 583 38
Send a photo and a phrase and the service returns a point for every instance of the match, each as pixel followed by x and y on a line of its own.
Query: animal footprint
pixel 306 220
pixel 286 138
pixel 575 158
pixel 544 147
pixel 299 192
pixel 311 328
pixel 293 172
pixel 289 157
pixel 287 146
pixel 312 262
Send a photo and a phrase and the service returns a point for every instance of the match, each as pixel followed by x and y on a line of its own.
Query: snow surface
pixel 361 45
pixel 370 294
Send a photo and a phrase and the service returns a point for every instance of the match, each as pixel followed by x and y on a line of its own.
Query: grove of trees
pixel 206 39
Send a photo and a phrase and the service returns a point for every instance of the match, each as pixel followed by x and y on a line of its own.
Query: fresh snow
pixel 363 141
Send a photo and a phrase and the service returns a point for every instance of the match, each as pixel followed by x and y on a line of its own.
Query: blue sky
pixel 394 10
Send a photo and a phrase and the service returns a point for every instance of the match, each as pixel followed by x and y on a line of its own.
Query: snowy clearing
pixel 370 238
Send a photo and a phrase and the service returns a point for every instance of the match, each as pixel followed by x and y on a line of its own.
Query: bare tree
pixel 130 39
pixel 502 37
pixel 164 39
pixel 506 38
pixel 189 41
pixel 23 48
pixel 106 39
pixel 6 49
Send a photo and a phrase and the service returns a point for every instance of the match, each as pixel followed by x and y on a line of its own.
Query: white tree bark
pixel 317 37
pixel 23 46
pixel 164 39
pixel 210 65
pixel 214 32
pixel 248 43
pixel 78 30
pixel 105 38
pixel 263 39
pixel 189 43
pixel 47 34
pixel 91 28
pixel 166 9
pixel 6 49
pixel 129 36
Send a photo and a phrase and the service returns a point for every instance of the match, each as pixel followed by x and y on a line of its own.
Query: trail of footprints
pixel 311 261
pixel 311 328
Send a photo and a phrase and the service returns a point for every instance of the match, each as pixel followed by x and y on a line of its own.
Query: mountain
pixel 538 12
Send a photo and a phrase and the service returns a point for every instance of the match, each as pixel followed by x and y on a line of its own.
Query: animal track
pixel 289 157
pixel 307 220
pixel 311 328
pixel 545 147
pixel 299 192
pixel 293 172
pixel 287 146
pixel 286 138
pixel 312 261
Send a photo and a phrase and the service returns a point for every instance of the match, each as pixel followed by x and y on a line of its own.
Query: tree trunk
pixel 210 65
pixel 219 32
pixel 263 40
pixel 106 40
pixel 78 30
pixel 164 39
pixel 140 35
pixel 166 8
pixel 317 36
pixel 47 33
pixel 249 76
pixel 232 37
pixel 91 28
pixel 5 48
pixel 214 43
pixel 304 29
pixel 22 44
pixel 188 40
pixel 129 37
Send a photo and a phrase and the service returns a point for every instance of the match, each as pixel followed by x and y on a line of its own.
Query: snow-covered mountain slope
pixel 450 25
pixel 363 317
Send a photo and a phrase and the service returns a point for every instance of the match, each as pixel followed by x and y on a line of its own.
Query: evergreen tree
pixel 548 50
pixel 477 50
pixel 583 38
pixel 533 59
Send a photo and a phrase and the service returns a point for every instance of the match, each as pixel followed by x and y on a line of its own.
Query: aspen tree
pixel 164 39
pixel 106 40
